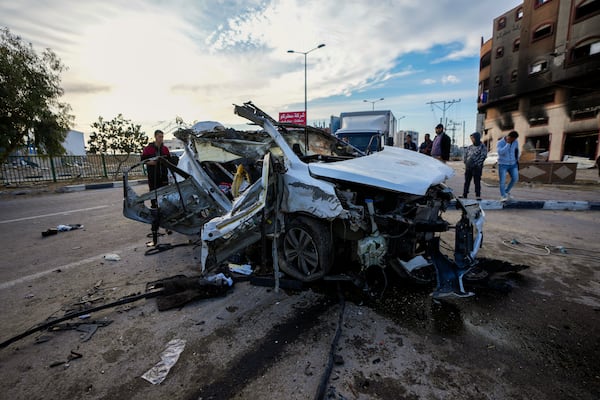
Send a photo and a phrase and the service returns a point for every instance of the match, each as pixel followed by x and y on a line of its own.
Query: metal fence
pixel 28 169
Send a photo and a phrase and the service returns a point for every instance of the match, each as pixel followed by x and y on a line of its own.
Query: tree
pixel 29 98
pixel 117 136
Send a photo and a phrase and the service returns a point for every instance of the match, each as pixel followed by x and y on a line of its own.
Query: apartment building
pixel 540 75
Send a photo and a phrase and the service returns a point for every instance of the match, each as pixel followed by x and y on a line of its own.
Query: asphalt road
pixel 23 219
pixel 529 335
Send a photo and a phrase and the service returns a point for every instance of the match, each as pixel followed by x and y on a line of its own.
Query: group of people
pixel 438 148
pixel 508 163
pixel 474 157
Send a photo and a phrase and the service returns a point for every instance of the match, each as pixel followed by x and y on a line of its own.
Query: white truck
pixel 368 131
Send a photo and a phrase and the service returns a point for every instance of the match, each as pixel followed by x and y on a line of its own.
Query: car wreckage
pixel 311 205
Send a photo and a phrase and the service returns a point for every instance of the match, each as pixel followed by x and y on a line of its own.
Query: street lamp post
pixel 305 80
pixel 373 102
pixel 399 118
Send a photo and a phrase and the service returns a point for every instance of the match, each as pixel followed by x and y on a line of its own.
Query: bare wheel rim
pixel 301 251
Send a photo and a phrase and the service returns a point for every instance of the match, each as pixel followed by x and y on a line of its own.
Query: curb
pixel 105 185
pixel 555 205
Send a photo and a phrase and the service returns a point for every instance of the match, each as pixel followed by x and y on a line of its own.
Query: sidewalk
pixel 584 194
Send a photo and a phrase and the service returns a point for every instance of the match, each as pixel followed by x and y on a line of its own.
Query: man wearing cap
pixel 157 173
pixel 441 144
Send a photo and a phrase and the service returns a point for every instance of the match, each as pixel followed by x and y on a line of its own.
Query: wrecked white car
pixel 311 205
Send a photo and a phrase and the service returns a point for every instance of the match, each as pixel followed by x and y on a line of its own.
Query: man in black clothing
pixel 157 173
pixel 441 144
pixel 409 144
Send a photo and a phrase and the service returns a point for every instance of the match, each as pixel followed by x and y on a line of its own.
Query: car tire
pixel 306 249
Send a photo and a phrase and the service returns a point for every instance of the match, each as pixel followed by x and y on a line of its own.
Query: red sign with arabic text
pixel 293 117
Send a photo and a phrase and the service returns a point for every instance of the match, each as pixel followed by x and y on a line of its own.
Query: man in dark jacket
pixel 425 147
pixel 409 144
pixel 441 144
pixel 157 173
pixel 474 157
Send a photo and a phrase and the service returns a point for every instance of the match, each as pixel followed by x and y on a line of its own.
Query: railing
pixel 29 169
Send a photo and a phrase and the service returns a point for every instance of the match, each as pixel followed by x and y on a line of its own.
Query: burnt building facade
pixel 540 75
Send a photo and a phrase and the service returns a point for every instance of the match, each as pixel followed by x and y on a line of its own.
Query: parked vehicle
pixel 368 131
pixel 312 211
pixel 491 160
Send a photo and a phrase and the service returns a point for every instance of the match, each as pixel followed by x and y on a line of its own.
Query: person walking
pixel 425 147
pixel 157 173
pixel 474 157
pixel 409 144
pixel 508 162
pixel 440 147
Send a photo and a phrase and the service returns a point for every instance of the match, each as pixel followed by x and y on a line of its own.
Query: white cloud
pixel 450 79
pixel 154 60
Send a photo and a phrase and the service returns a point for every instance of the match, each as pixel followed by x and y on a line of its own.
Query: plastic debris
pixel 220 278
pixel 168 358
pixel 415 263
pixel 245 269
pixel 112 257
pixel 61 228
pixel 69 227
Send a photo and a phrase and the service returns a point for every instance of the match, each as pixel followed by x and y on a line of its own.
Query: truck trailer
pixel 368 131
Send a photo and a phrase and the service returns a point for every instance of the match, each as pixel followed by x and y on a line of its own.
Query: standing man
pixel 440 148
pixel 409 144
pixel 474 157
pixel 157 173
pixel 508 162
pixel 425 147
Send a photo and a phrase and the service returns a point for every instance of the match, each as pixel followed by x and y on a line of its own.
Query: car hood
pixel 392 168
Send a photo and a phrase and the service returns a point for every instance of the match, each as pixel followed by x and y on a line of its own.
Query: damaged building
pixel 539 75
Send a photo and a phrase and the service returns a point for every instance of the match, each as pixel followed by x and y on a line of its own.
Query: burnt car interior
pixel 253 194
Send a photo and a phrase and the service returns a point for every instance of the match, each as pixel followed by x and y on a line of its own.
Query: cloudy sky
pixel 155 60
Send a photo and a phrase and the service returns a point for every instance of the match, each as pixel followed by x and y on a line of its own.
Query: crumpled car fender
pixel 305 194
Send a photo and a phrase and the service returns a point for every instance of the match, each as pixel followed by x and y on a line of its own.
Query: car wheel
pixel 307 249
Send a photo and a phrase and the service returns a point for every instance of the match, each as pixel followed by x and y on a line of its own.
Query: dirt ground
pixel 530 334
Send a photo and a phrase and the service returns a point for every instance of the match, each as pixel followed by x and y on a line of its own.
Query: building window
pixel 508 107
pixel 519 14
pixel 538 67
pixel 498 80
pixel 539 100
pixel 538 121
pixel 516 45
pixel 542 32
pixel 587 9
pixel 585 50
pixel 501 23
pixel 539 3
pixel 499 51
pixel 513 75
pixel 486 60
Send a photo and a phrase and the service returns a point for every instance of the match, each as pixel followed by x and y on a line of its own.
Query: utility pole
pixel 452 127
pixel 446 104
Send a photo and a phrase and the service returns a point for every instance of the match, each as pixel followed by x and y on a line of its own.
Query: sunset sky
pixel 155 60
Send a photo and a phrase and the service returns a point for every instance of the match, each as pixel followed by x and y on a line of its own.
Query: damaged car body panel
pixel 320 205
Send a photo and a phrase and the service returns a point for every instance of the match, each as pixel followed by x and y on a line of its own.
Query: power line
pixel 446 104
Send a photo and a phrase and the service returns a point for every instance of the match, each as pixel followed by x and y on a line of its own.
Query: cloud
pixel 450 79
pixel 85 88
pixel 154 60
